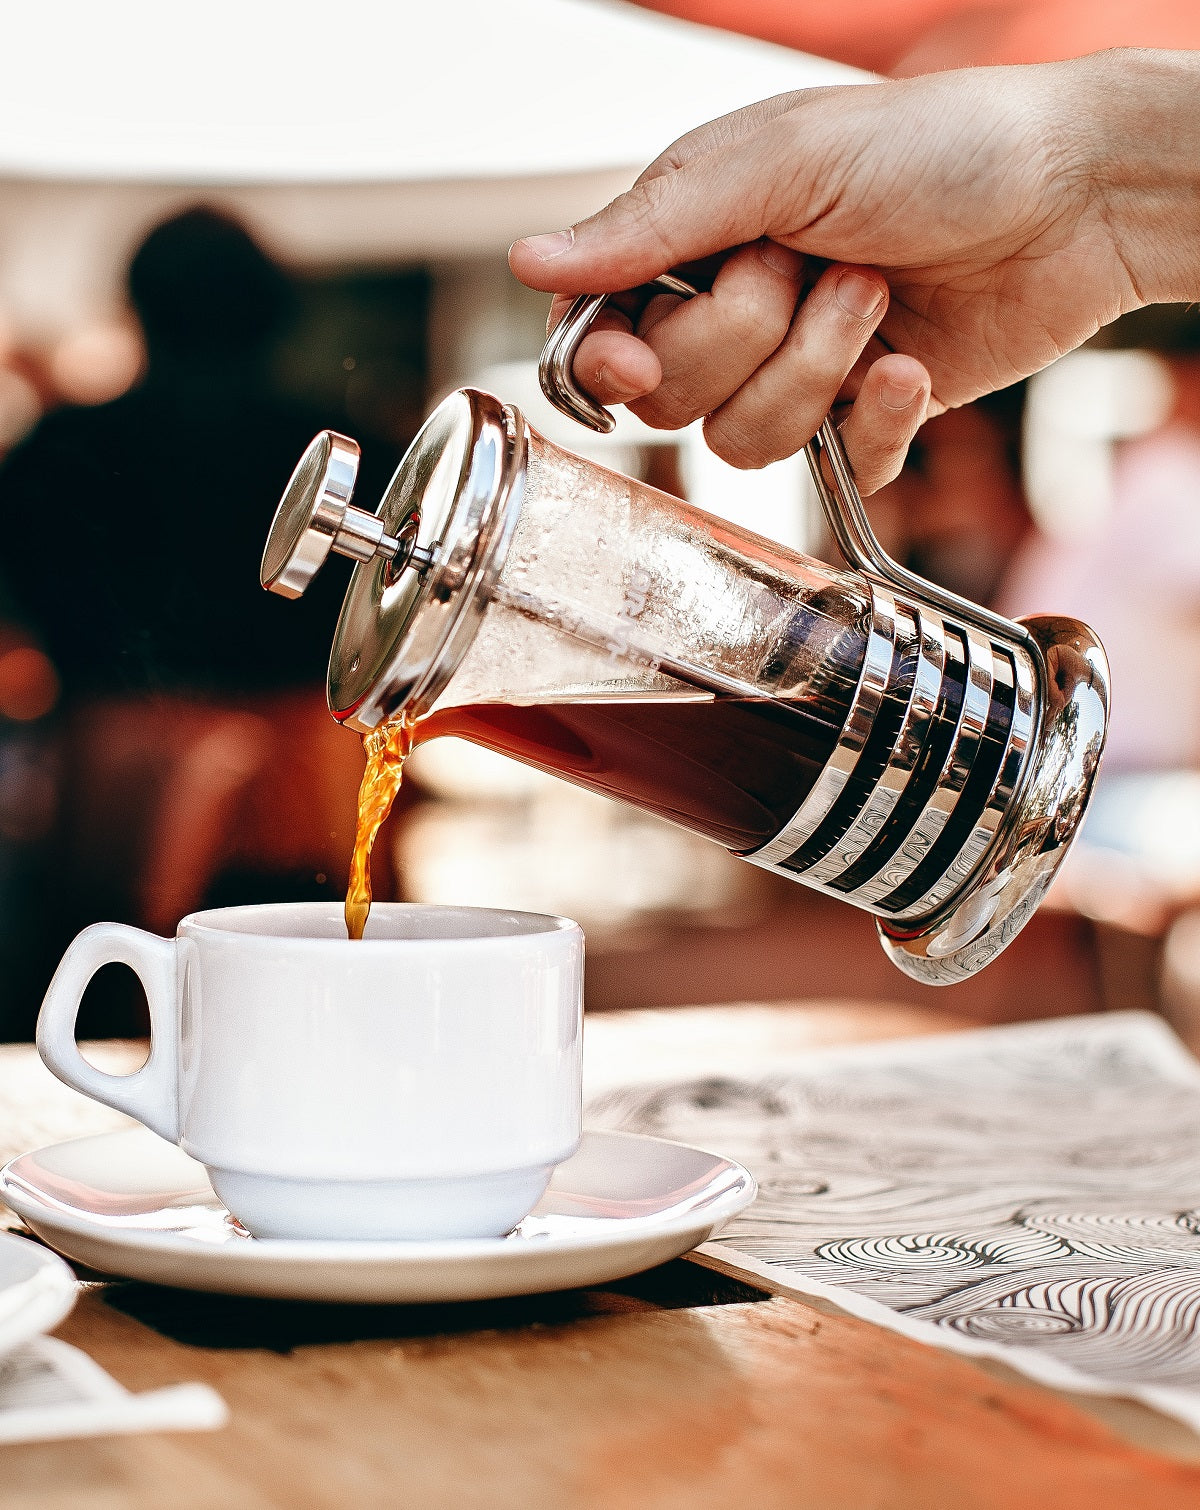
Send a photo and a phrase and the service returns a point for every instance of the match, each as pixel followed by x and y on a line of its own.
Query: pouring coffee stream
pixel 862 731
pixel 387 748
pixel 389 745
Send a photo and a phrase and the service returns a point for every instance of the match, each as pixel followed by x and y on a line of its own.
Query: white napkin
pixel 50 1390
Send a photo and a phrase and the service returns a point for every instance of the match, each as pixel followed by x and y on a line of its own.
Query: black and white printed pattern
pixel 1033 1188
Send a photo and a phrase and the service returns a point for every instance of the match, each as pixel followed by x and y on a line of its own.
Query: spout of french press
pixel 315 516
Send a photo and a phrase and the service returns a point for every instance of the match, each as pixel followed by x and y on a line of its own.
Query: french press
pixel 862 731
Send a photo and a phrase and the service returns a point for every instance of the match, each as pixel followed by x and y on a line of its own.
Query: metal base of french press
pixel 1040 825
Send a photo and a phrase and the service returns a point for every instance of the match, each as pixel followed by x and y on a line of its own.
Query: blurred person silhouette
pixel 153 508
pixel 1135 574
pixel 199 763
pixel 957 513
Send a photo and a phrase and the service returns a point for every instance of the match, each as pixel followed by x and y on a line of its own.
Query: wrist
pixel 1142 115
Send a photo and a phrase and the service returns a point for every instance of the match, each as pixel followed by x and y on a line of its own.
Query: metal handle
pixel 556 368
pixel 847 516
pixel 839 495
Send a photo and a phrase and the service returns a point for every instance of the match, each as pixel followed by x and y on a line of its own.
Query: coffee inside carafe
pixel 735 769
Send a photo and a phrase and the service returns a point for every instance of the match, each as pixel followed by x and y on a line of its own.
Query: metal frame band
pixel 959 871
pixel 956 768
pixel 1043 817
pixel 906 751
pixel 868 695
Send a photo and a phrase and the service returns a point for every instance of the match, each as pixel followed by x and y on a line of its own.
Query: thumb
pixel 717 201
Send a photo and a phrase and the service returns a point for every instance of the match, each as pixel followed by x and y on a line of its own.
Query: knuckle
pixel 875 466
pixel 639 213
pixel 660 414
pixel 676 403
pixel 824 374
pixel 735 446
pixel 822 357
pixel 755 323
pixel 834 335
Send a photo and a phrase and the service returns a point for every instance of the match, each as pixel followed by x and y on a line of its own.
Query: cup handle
pixel 149 1094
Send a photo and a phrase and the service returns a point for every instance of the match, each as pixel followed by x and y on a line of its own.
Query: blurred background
pixel 220 233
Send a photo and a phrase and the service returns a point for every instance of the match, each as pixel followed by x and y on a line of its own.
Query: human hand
pixel 905 246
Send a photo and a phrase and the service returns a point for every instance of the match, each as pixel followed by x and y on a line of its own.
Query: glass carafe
pixel 857 730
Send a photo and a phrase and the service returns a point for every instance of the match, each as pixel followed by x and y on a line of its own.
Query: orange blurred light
pixel 29 684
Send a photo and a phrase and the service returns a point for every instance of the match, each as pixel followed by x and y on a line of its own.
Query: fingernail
pixel 899 395
pixel 859 296
pixel 781 259
pixel 618 392
pixel 553 244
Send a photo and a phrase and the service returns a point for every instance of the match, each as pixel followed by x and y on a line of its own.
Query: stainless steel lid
pixel 454 499
pixel 427 558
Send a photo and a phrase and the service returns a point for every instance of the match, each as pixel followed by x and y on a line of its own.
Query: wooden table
pixel 675 1389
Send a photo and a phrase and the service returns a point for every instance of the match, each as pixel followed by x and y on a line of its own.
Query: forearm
pixel 1142 114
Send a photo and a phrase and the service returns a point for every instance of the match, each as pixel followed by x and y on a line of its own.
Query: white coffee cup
pixel 421 1083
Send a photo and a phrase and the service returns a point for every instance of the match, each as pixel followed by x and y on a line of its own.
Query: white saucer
pixel 128 1203
pixel 36 1291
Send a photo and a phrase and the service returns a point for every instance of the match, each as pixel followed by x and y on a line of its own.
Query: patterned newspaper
pixel 1030 1193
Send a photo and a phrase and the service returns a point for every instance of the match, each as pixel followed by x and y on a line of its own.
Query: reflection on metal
pixel 402 634
pixel 1037 830
pixel 315 516
pixel 961 868
pixel 856 540
pixel 951 779
pixel 868 696
pixel 910 741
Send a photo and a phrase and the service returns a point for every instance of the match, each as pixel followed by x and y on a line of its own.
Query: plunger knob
pixel 315 516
